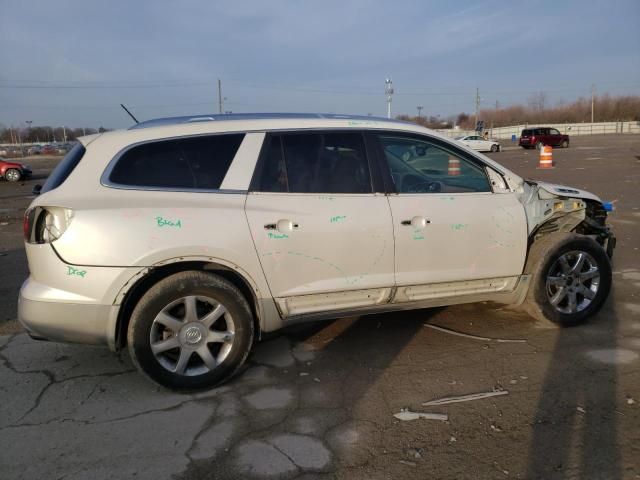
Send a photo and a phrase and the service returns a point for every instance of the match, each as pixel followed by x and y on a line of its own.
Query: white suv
pixel 184 239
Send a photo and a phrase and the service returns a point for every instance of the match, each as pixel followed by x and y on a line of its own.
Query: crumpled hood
pixel 565 191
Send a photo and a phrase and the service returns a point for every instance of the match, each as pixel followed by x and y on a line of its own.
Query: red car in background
pixel 536 137
pixel 12 171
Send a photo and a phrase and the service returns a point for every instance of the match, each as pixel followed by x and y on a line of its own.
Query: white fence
pixel 565 128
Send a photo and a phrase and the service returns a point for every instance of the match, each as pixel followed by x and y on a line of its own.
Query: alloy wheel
pixel 192 335
pixel 572 282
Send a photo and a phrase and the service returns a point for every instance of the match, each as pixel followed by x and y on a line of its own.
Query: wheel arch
pixel 133 291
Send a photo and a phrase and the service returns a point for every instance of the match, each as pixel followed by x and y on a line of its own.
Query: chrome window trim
pixel 106 182
pixel 104 178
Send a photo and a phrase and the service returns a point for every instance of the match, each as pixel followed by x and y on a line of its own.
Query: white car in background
pixel 480 144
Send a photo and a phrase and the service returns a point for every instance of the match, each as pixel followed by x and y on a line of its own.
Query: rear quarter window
pixel 526 133
pixel 193 163
pixel 64 168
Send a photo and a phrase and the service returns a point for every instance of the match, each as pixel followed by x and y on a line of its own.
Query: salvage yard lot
pixel 317 401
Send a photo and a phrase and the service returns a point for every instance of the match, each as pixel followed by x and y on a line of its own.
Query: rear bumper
pixel 45 318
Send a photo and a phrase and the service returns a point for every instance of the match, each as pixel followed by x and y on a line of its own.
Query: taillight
pixel 45 224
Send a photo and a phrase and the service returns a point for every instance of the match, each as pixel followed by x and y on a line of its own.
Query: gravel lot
pixel 317 401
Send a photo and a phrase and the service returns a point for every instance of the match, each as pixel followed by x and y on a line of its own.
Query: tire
pixel 13 175
pixel 565 144
pixel 494 148
pixel 553 285
pixel 539 146
pixel 220 323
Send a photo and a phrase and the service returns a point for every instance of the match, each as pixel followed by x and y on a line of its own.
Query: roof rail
pixel 157 122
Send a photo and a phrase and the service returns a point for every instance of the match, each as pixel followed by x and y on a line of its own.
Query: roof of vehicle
pixel 156 122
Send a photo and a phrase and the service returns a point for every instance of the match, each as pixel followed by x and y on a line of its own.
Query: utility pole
pixel 419 107
pixel 388 91
pixel 593 93
pixel 477 108
pixel 219 96
pixel 64 133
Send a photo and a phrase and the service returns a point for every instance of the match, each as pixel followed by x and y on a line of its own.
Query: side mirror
pixel 36 189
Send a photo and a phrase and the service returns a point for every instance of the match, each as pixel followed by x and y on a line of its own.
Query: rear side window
pixel 315 163
pixel 64 168
pixel 184 164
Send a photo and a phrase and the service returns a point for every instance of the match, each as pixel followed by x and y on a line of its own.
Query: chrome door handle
pixel 283 226
pixel 416 222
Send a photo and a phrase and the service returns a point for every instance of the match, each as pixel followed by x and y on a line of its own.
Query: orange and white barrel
pixel 454 166
pixel 546 157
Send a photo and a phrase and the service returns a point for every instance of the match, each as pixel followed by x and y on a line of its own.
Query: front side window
pixel 332 162
pixel 185 163
pixel 419 166
pixel 553 131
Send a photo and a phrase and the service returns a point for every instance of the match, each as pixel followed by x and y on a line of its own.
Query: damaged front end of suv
pixel 556 208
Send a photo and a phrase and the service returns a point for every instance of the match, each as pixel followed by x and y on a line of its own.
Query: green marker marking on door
pixel 459 226
pixel 338 218
pixel 277 235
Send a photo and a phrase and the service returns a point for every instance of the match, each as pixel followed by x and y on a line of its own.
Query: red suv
pixel 536 137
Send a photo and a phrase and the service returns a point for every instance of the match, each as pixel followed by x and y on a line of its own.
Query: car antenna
pixel 130 114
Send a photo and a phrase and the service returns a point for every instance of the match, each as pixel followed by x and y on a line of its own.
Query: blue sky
pixel 162 58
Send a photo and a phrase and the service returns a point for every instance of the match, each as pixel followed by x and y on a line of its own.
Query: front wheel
pixel 13 175
pixel 495 148
pixel 571 279
pixel 565 144
pixel 191 330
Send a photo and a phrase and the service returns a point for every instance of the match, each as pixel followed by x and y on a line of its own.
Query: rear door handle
pixel 282 226
pixel 416 222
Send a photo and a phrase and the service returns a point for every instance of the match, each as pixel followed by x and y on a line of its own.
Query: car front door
pixel 475 142
pixel 555 139
pixel 323 233
pixel 450 227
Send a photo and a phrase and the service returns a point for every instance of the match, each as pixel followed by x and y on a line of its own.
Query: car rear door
pixel 323 233
pixel 449 228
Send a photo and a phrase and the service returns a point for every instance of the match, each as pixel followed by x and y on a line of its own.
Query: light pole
pixel 388 91
pixel 28 122
pixel 419 107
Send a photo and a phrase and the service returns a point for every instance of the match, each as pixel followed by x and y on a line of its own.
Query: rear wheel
pixel 494 148
pixel 191 330
pixel 13 175
pixel 539 145
pixel 571 279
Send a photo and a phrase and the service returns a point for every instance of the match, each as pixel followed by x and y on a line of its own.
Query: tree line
pixel 607 108
pixel 44 134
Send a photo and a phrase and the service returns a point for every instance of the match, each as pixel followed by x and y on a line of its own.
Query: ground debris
pixel 407 415
pixel 465 398
pixel 474 337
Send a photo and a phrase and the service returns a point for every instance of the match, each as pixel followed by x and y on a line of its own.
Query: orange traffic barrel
pixel 546 157
pixel 454 166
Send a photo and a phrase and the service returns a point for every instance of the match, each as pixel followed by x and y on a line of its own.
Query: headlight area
pixel 595 225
